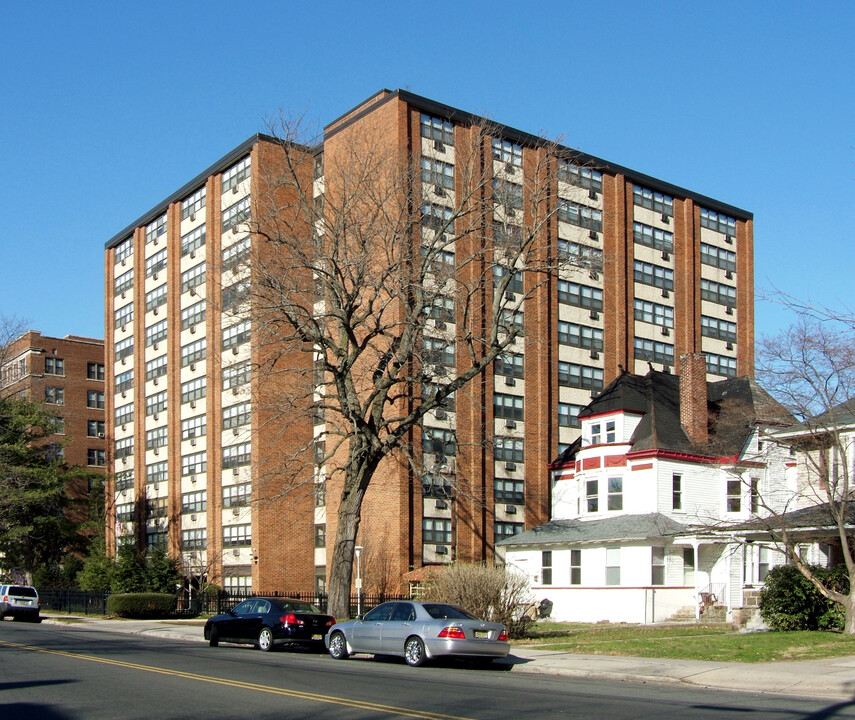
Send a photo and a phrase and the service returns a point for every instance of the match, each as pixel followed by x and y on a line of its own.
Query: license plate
pixel 482 633
pixel 318 636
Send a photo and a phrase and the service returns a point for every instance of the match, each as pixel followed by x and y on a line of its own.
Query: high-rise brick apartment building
pixel 67 375
pixel 643 272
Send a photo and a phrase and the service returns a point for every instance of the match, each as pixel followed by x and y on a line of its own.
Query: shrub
pixel 493 593
pixel 789 601
pixel 141 605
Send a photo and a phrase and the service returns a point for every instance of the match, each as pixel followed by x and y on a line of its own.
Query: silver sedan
pixel 418 631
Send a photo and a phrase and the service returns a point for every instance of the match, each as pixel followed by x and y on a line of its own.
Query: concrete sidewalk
pixel 829 679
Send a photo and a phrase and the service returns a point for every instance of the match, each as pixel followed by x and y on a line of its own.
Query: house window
pixel 156 403
pixel 653 350
pixel 510 365
pixel 441 309
pixel 155 508
pixel 194 502
pixel 95 371
pixel 437 129
pixel 236 415
pixel 688 566
pixel 155 264
pixel 734 496
pixel 721 365
pixel 580 255
pixel 718 257
pixel 95 428
pixel 320 493
pixel 611 434
pixel 612 566
pixel 236 215
pixel 575 567
pixel 436 485
pixel 96 458
pixel 236 174
pixel 194 352
pixel 655 275
pixel 194 427
pixel 596 436
pixel 124 414
pixel 155 334
pixel 651 312
pixel 193 204
pixel 615 499
pixel 235 295
pixel 676 492
pixel 155 368
pixel 509 407
pixel 508 194
pixel 507 236
pixel 236 335
pixel 237 495
pixel 194 463
pixel 237 584
pixel 656 201
pixel 156 473
pixel 515 285
pixel 56 396
pixel 580 336
pixel 718 293
pixel 235 456
pixel 320 536
pixel 763 562
pixel 718 222
pixel 155 298
pixel 237 535
pixel 156 438
pixel 436 217
pixel 235 255
pixel 124 448
pixel 124 348
pixel 509 449
pixel 155 229
pixel 657 565
pixel 568 415
pixel 436 530
pixel 124 282
pixel 438 173
pixel 718 329
pixel 55 365
pixel 193 240
pixel 438 441
pixel 194 539
pixel 592 496
pixel 580 215
pixel 546 567
pixel 583 296
pixel 94 399
pixel 236 375
pixel 125 512
pixel 583 177
pixel 502 530
pixel 755 495
pixel 655 238
pixel 56 425
pixel 508 491
pixel 193 390
pixel 193 278
pixel 124 315
pixel 124 480
pixel 507 152
pixel 438 351
pixel 193 315
pixel 124 250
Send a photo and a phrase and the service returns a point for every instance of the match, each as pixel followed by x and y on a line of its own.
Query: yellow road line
pixel 315 697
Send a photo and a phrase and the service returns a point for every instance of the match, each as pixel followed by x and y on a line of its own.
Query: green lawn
pixel 688 642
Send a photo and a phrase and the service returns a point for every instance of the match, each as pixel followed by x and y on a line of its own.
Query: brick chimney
pixel 693 396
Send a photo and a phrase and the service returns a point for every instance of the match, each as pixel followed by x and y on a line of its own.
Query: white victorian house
pixel 641 502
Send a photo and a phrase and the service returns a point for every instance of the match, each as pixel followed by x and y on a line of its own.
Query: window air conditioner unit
pixel 441 505
pixel 729 346
pixel 510 168
pixel 441 550
pixel 665 331
pixel 510 423
pixel 154 276
pixel 192 403
pixel 155 346
pixel 666 293
pixel 595 355
pixel 439 324
pixel 666 219
pixel 438 146
pixel 235 471
pixel 193 291
pixel 509 466
pixel 728 239
pixel 235 511
pixel 192 329
pixel 665 255
pixel 594 315
pixel 156 416
pixel 101 435
pixel 154 381
pixel 192 216
pixel 123 361
pixel 234 350
pixel 235 431
pixel 236 552
pixel 440 415
pixel 124 426
pixel 592 194
pixel 510 381
pixel 124 261
pixel 728 274
pixel 124 394
pixel 234 189
pixel 156 450
pixel 193 442
pixel 511 509
pixel 509 295
pixel 728 310
pixel 193 518
pixel 123 295
pixel 439 191
pixel 593 235
pixel 193 479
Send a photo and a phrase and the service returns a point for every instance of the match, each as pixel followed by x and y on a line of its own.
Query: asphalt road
pixel 50 672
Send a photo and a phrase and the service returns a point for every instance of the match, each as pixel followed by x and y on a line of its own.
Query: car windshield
pixel 22 591
pixel 448 612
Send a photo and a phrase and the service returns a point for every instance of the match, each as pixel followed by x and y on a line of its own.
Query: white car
pixel 418 631
pixel 20 602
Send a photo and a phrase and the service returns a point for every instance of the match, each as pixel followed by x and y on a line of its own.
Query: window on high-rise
pixel 507 152
pixel 192 204
pixel 652 200
pixel 437 129
pixel 236 174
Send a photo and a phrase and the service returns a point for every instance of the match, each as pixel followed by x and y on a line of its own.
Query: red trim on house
pixel 590 463
pixel 614 460
pixel 643 466
pixel 594 416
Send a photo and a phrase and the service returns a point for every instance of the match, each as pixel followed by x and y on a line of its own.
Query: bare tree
pixel 11 328
pixel 810 368
pixel 397 282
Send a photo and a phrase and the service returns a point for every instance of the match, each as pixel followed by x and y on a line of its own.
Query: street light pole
pixel 358 583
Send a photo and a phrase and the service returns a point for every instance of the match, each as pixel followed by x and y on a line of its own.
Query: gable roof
pixel 619 528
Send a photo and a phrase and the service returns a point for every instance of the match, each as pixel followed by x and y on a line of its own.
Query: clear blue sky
pixel 107 108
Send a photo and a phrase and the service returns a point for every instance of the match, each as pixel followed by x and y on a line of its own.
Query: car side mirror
pixel 232 612
pixel 360 618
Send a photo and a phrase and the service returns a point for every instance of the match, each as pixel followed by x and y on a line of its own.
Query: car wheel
pixel 338 646
pixel 265 639
pixel 414 652
pixel 214 640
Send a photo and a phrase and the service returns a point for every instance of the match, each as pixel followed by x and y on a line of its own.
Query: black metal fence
pixel 85 602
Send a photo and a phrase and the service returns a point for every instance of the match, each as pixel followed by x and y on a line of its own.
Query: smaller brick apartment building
pixel 67 375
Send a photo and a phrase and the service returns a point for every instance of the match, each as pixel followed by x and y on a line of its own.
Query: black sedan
pixel 266 622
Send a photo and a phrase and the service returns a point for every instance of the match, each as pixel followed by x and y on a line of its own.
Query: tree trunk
pixel 849 614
